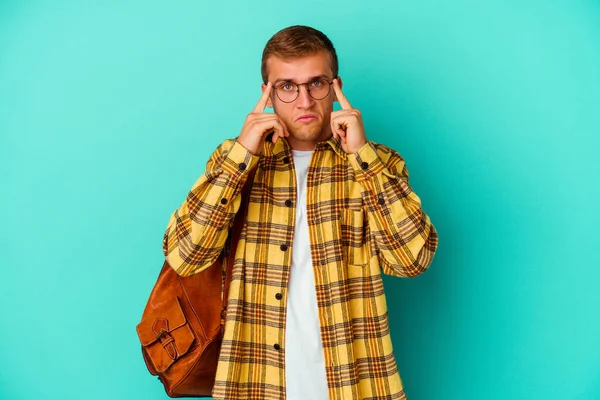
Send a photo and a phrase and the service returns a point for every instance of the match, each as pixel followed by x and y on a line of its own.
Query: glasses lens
pixel 287 92
pixel 319 89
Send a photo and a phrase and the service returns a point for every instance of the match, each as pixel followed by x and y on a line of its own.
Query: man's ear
pixel 334 95
pixel 269 103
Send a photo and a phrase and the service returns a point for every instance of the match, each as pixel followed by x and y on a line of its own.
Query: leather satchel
pixel 182 325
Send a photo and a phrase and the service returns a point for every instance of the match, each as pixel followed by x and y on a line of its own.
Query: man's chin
pixel 307 133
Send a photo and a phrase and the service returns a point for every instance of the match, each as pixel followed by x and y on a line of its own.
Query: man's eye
pixel 287 87
pixel 316 83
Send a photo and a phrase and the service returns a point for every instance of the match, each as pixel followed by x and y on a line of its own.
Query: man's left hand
pixel 347 123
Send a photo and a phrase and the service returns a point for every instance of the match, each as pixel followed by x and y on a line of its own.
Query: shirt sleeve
pixel 198 229
pixel 403 235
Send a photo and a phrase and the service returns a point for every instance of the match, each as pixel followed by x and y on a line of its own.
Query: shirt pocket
pixel 355 247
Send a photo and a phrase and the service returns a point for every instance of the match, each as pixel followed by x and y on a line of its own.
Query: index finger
pixel 340 96
pixel 262 103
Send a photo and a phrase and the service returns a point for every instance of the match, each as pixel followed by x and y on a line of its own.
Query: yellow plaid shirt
pixel 363 218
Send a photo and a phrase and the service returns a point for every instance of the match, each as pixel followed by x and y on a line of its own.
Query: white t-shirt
pixel 304 362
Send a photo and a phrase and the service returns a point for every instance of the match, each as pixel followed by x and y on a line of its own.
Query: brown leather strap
pixel 232 242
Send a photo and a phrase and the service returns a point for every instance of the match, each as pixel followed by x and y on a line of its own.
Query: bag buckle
pixel 164 337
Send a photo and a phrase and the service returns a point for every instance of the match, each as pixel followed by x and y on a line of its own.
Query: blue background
pixel 109 110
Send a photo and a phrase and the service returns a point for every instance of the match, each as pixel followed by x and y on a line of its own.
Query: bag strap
pixel 231 245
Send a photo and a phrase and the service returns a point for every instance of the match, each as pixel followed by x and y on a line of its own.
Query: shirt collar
pixel 335 145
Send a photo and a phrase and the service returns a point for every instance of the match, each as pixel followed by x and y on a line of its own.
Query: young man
pixel 328 211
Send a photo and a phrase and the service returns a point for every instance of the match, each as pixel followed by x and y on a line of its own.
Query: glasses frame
pixel 307 89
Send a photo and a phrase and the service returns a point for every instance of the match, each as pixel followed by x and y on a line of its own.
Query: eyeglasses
pixel 318 89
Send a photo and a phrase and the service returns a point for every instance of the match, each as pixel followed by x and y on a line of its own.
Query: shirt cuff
pixel 239 160
pixel 366 162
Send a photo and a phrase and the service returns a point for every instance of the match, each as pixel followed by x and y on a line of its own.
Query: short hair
pixel 295 42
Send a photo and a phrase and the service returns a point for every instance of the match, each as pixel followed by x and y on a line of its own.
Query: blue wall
pixel 109 110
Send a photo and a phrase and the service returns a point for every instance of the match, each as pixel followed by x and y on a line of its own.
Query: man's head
pixel 301 55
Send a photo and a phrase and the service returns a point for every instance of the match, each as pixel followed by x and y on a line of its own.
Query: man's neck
pixel 306 145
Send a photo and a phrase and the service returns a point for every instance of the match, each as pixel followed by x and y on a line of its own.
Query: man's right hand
pixel 259 124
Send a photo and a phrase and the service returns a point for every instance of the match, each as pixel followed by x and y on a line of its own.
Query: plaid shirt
pixel 363 218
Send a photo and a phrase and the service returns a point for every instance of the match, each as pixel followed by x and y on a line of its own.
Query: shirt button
pixel 364 165
pixel 278 296
pixel 283 247
pixel 242 166
pixel 277 346
pixel 381 201
pixel 223 200
pixel 288 203
pixel 286 160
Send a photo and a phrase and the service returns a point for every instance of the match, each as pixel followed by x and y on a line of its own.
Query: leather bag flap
pixel 165 334
pixel 167 317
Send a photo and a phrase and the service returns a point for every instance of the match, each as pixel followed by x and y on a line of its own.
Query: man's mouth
pixel 306 118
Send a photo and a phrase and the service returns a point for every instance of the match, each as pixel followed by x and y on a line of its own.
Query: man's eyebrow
pixel 312 78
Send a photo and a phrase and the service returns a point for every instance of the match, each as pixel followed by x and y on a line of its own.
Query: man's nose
pixel 304 99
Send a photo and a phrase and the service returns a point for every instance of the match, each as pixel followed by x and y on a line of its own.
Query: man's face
pixel 306 119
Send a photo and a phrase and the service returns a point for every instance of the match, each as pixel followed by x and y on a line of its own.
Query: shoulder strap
pixel 232 242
